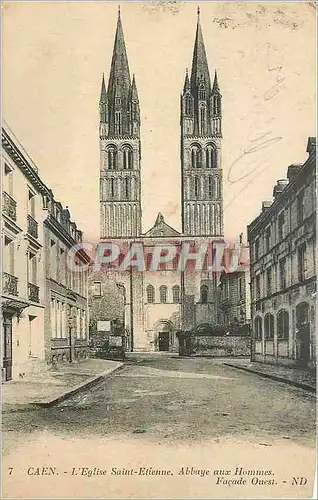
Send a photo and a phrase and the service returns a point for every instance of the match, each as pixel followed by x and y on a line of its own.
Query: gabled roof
pixel 161 228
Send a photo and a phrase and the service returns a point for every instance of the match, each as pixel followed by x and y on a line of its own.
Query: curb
pixel 78 388
pixel 300 385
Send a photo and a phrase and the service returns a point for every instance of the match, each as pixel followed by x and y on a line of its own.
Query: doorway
pixel 163 341
pixel 304 347
pixel 7 348
pixel 302 321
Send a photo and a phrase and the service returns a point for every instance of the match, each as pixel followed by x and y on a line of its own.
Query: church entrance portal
pixel 163 341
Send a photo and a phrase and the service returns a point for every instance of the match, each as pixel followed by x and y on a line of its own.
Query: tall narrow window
pixel 204 294
pixel 117 122
pixel 202 120
pixel 211 156
pixel 31 203
pixel 300 207
pixel 268 239
pixel 112 187
pixel 302 262
pixel 128 158
pixel 281 222
pixel 269 281
pixel 282 274
pixel 196 187
pixel 163 294
pixel 112 158
pixel 150 294
pixel 176 294
pixel 188 105
pixel 256 249
pixel 210 186
pixel 269 326
pixel 282 325
pixel 258 287
pixel 196 157
pixel 258 328
pixel 216 105
pixel 126 187
pixel 148 261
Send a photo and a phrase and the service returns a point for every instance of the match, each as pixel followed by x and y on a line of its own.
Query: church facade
pixel 156 304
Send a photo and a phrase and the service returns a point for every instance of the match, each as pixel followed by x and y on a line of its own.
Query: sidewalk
pixel 304 379
pixel 55 385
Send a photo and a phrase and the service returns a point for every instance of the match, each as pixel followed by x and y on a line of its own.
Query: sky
pixel 53 58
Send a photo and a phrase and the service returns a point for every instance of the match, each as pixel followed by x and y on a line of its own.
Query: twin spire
pixel 121 96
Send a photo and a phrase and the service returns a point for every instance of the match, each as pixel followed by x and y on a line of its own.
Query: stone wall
pixel 218 346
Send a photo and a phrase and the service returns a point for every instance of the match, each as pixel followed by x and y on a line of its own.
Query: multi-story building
pixel 234 300
pixel 158 304
pixel 282 242
pixel 66 290
pixel 27 217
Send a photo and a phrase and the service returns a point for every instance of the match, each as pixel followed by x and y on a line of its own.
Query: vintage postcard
pixel 158 244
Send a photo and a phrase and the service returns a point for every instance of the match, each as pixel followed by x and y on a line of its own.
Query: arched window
pixel 196 187
pixel 269 326
pixel 127 187
pixel 202 119
pixel 282 325
pixel 150 294
pixel 196 157
pixel 112 158
pixel 211 156
pixel 127 158
pixel 148 261
pixel 204 294
pixel 163 294
pixel 258 328
pixel 176 294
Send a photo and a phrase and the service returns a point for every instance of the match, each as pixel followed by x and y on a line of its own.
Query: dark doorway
pixel 7 348
pixel 304 348
pixel 164 341
pixel 303 333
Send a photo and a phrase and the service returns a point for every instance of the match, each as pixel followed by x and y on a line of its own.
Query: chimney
pixel 266 205
pixel 293 170
pixel 280 186
pixel 311 145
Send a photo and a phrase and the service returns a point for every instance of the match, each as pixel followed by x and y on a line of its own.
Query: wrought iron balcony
pixel 32 227
pixel 9 206
pixel 33 292
pixel 10 284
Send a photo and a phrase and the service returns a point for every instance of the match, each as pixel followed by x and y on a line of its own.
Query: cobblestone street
pixel 162 406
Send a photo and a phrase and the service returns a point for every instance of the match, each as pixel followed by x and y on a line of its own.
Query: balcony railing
pixel 32 227
pixel 33 292
pixel 10 284
pixel 9 206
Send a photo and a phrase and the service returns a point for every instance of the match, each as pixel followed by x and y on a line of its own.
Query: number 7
pixel 10 470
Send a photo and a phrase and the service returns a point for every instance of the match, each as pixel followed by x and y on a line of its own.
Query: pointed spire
pixel 119 73
pixel 200 68
pixel 186 82
pixel 216 87
pixel 103 94
pixel 159 219
pixel 134 92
